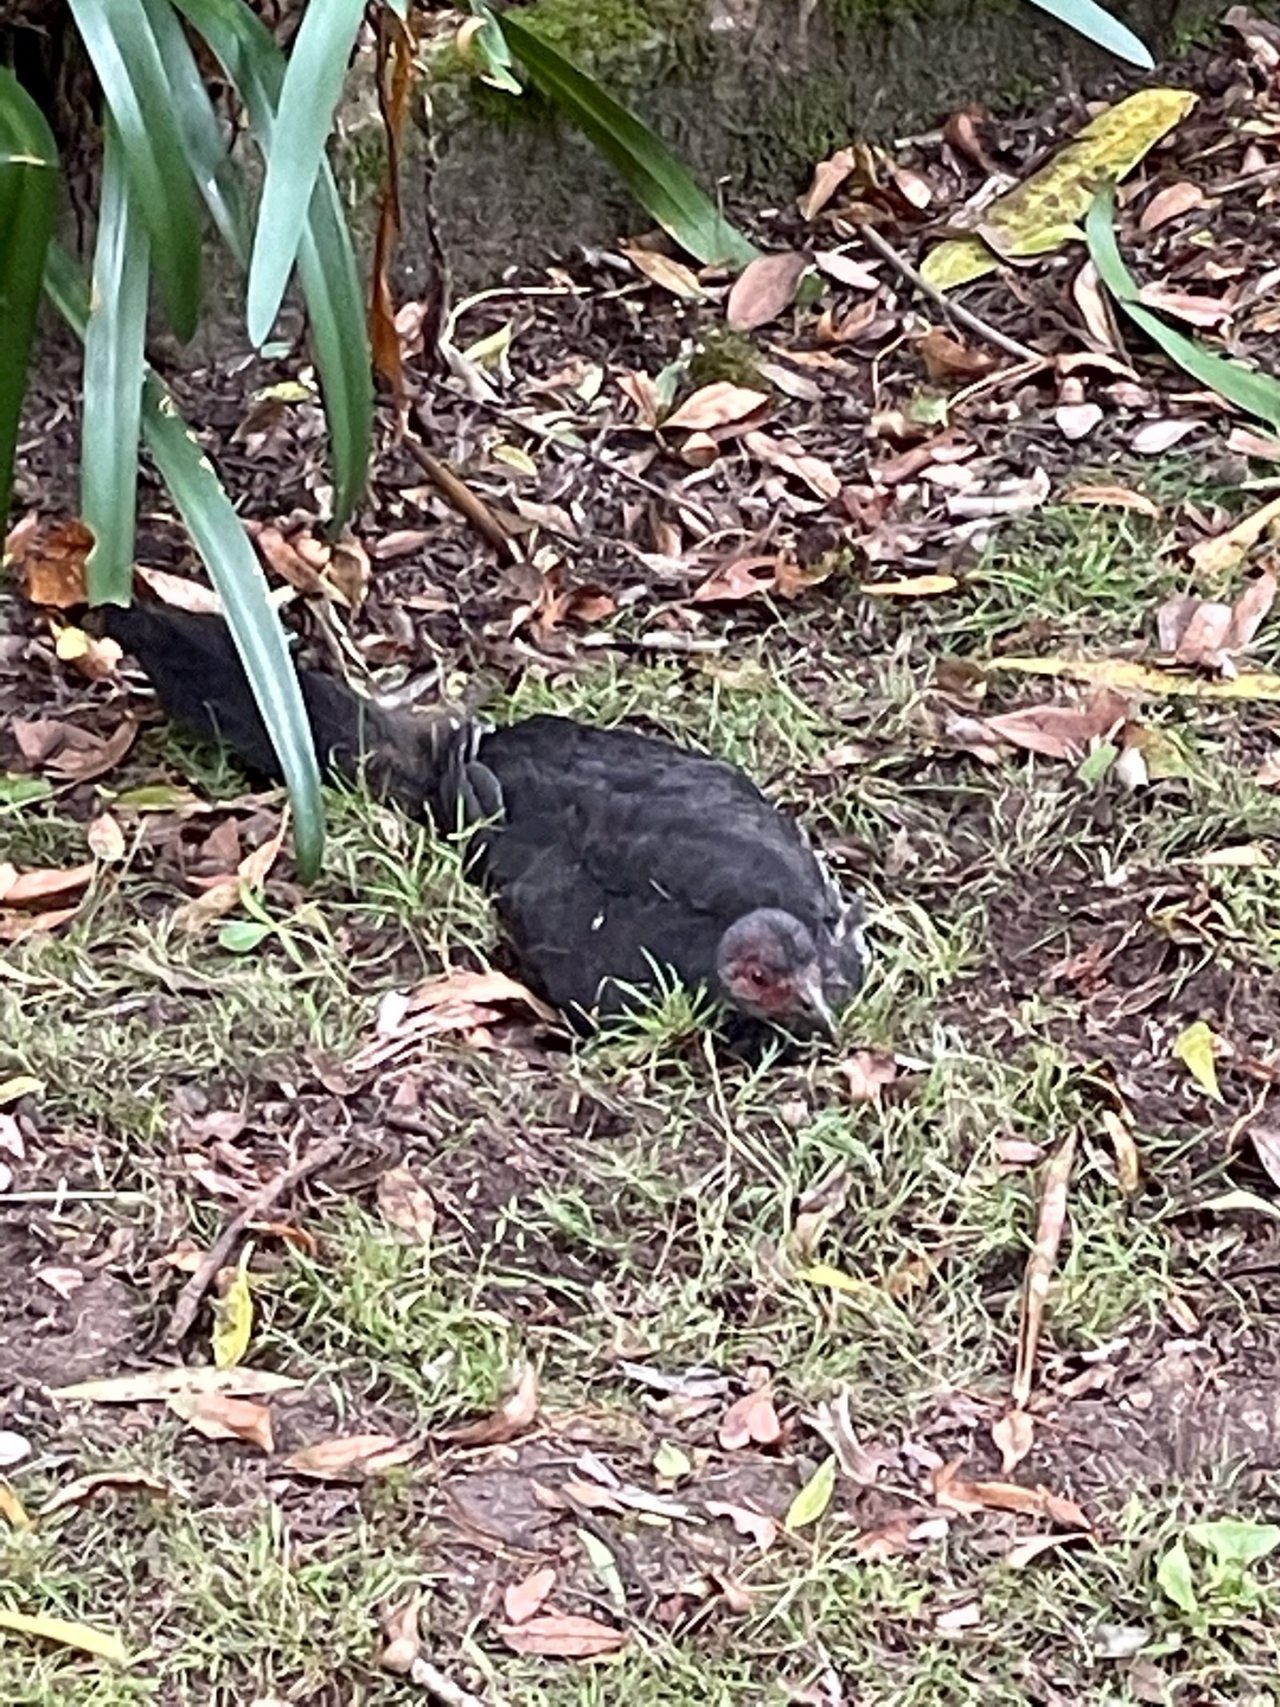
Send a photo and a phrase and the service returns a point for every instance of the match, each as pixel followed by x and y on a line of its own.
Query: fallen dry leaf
pixel 1156 436
pixel 945 358
pixel 522 1600
pixel 955 1493
pixel 179 592
pixel 716 405
pixel 763 289
pixel 512 1418
pixel 739 579
pixel 1170 203
pixel 751 1420
pixel 1221 554
pixel 148 1385
pixel 36 887
pixel 1040 1265
pixel 1060 731
pixel 406 1204
pixel 912 587
pixel 564 1636
pixel 789 458
pixel 755 1525
pixel 666 272
pixel 50 560
pixel 1208 634
pixel 866 1073
pixel 828 175
pixel 1115 497
pixel 219 1416
pixel 352 1457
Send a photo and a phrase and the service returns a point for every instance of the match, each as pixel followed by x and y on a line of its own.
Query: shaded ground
pixel 641 1220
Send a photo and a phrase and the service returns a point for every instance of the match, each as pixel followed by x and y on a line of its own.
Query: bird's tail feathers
pixel 421 760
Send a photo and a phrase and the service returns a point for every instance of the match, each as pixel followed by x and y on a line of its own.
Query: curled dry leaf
pixel 42 885
pixel 512 1418
pixel 352 1457
pixel 751 1420
pixel 218 1416
pixel 946 358
pixel 1153 437
pixel 564 1636
pixel 763 289
pixel 789 458
pixel 1171 203
pixel 828 175
pixel 50 560
pixel 85 1487
pixel 956 1493
pixel 180 592
pixel 755 1525
pixel 1040 1265
pixel 106 839
pixel 1014 1434
pixel 481 989
pixel 739 579
pixel 716 405
pixel 1060 731
pixel 1208 634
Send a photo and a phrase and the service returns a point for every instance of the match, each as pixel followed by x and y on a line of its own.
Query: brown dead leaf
pixel 1040 1265
pixel 42 884
pixel 85 1487
pixel 866 1073
pixel 963 132
pixel 1115 497
pixel 179 592
pixel 223 896
pixel 1014 1434
pixel 66 751
pixel 789 458
pixel 522 1600
pixel 106 839
pixel 828 175
pixel 218 1416
pixel 751 1420
pixel 874 1546
pixel 1208 634
pixel 564 1636
pixel 1170 203
pixel 50 560
pixel 1242 441
pixel 955 1493
pixel 1155 437
pixel 1095 308
pixel 481 989
pixel 666 272
pixel 716 405
pixel 763 289
pixel 352 1457
pixel 739 579
pixel 945 358
pixel 406 1204
pixel 512 1418
pixel 1061 731
pixel 755 1525
pixel 642 391
pixel 1183 305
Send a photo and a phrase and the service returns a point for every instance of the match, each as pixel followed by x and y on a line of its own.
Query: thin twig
pixel 192 1295
pixel 56 1197
pixel 439 1684
pixel 961 316
pixel 665 494
pixel 459 494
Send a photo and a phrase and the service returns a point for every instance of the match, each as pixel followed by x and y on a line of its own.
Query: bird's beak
pixel 815 1001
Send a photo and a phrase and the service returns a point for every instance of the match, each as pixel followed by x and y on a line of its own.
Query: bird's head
pixel 770 967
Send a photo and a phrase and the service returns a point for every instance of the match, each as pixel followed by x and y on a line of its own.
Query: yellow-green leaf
pixel 233 1319
pixel 824 1274
pixel 814 1498
pixel 1042 213
pixel 104 1643
pixel 1194 1047
pixel 21 1085
pixel 1127 676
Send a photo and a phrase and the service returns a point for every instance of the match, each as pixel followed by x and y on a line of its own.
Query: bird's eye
pixel 757 977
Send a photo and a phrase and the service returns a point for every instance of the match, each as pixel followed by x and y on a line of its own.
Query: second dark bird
pixel 610 855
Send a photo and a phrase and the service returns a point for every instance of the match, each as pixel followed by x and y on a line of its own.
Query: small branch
pixel 961 316
pixel 254 1209
pixel 459 494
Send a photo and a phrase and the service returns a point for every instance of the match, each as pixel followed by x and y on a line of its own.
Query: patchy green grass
pixel 640 1203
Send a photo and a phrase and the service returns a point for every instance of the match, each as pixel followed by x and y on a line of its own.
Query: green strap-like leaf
pixel 304 118
pixel 1097 25
pixel 254 622
pixel 208 155
pixel 653 174
pixel 326 256
pixel 1258 394
pixel 114 360
pixel 230 559
pixel 118 37
pixel 28 181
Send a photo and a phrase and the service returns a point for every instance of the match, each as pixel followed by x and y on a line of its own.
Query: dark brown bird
pixel 611 855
